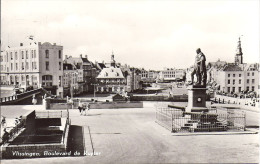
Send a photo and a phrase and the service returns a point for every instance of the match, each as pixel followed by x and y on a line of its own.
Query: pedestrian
pixel 80 107
pixel 84 109
pixel 88 107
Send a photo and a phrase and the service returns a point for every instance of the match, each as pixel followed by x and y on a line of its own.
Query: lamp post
pixel 94 89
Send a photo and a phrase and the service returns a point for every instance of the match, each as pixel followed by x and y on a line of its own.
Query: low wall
pixel 59 106
pixel 115 105
pixel 176 98
pixel 98 105
pixel 33 151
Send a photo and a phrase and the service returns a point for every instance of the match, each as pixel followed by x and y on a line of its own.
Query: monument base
pixel 196 99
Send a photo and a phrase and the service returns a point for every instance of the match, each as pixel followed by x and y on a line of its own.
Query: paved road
pixel 132 136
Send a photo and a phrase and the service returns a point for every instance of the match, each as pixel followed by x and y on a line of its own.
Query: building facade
pixel 236 77
pixel 111 80
pixel 34 65
pixel 172 74
pixel 87 71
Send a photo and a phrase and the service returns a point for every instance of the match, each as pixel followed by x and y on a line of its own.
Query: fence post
pixel 244 120
pixel 172 122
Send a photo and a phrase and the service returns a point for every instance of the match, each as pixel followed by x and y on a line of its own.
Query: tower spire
pixel 239 53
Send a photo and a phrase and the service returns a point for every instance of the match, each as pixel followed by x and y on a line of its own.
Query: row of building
pixel 39 64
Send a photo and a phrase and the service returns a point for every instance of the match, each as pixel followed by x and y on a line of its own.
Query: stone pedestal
pixel 196 99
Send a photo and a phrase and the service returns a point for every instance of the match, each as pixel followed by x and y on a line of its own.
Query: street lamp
pixel 94 89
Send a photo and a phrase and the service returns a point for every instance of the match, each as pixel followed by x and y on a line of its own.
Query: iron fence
pixel 51 114
pixel 177 120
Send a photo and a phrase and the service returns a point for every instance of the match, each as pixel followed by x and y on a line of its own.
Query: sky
pixel 144 34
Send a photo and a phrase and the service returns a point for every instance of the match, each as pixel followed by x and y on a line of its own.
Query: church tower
pixel 113 62
pixel 239 54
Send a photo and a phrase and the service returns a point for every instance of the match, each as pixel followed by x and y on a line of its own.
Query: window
pixel 233 89
pixel 15 55
pixel 59 54
pixel 6 56
pixel 47 80
pixel 47 65
pixel 26 65
pixel 22 65
pixel 253 74
pixel 60 81
pixel 228 75
pixel 253 81
pixel 16 66
pixel 248 74
pixel 239 89
pixel 59 65
pixel 239 81
pixel 234 75
pixel 32 65
pixel 11 54
pixel 26 54
pixel 234 82
pixel 247 81
pixel 253 88
pixel 34 53
pixel 228 81
pixel 228 89
pixel 239 75
pixel 47 53
pixel 247 88
pixel 11 66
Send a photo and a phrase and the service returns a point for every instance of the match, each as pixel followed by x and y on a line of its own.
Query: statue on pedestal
pixel 199 69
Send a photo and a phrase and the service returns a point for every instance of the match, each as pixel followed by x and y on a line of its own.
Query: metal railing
pixel 176 120
pixel 51 114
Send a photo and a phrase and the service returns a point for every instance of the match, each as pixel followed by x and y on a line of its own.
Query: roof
pixel 85 60
pixel 68 66
pixel 101 65
pixel 111 72
pixel 232 67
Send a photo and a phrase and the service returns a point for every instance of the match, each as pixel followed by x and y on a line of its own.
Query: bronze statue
pixel 199 69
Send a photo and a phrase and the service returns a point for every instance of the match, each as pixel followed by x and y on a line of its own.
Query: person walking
pixel 88 107
pixel 80 107
pixel 84 109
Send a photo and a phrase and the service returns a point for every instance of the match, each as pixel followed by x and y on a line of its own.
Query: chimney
pixel 54 44
pixel 21 44
pixel 86 56
pixel 80 55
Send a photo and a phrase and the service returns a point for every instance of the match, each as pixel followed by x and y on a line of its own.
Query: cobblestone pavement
pixel 132 136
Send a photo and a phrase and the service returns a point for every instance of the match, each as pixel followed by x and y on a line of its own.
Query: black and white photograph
pixel 129 81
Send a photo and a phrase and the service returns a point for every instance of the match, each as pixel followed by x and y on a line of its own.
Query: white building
pixel 33 64
pixel 236 77
pixel 111 80
pixel 172 74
